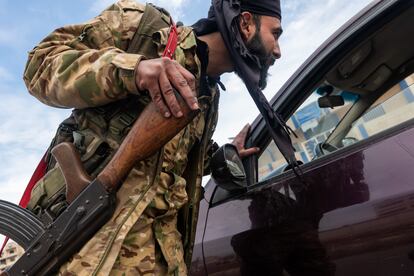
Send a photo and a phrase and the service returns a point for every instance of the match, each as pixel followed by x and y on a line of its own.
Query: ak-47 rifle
pixel 91 202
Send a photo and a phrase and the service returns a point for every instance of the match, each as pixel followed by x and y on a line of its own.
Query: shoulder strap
pixel 153 20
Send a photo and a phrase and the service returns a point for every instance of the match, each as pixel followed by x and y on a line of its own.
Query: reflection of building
pixel 387 227
pixel 395 206
pixel 10 254
pixel 394 107
pixel 313 124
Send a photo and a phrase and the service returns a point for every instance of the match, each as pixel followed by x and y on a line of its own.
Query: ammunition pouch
pixel 96 134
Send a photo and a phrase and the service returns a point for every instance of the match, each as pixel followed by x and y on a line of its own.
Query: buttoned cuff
pixel 127 64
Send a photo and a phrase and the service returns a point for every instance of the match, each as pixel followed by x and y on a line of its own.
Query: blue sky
pixel 27 126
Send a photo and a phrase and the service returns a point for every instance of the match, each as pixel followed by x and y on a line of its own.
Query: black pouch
pixel 64 133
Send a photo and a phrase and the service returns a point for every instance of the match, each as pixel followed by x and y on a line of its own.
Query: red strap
pixel 37 175
pixel 172 41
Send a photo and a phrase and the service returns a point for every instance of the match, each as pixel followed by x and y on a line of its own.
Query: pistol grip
pixel 70 164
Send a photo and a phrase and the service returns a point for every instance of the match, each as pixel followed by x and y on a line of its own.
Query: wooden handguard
pixel 149 133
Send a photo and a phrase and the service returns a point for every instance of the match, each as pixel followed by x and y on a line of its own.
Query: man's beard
pixel 256 47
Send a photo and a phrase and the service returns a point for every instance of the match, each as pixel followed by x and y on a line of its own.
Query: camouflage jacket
pixel 86 67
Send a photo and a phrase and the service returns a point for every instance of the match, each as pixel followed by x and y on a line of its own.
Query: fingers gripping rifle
pixel 92 202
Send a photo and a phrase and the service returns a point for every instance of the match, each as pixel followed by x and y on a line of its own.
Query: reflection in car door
pixel 351 216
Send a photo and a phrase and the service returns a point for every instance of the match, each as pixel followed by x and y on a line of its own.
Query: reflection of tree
pixel 327 122
pixel 284 233
pixel 342 184
pixel 356 188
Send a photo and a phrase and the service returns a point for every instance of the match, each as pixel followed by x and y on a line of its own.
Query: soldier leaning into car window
pixel 87 67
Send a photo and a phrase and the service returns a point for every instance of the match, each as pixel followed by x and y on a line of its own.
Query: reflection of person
pixel 282 239
pixel 87 67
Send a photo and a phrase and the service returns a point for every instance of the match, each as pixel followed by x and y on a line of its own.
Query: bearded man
pixel 108 70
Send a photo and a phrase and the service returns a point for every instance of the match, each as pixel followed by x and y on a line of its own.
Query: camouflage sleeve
pixel 86 65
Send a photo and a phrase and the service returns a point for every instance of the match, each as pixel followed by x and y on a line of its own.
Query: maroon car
pixel 351 209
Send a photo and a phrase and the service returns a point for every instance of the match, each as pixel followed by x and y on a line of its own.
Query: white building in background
pixel 10 255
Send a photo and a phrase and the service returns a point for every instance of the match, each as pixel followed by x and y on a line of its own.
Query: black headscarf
pixel 260 7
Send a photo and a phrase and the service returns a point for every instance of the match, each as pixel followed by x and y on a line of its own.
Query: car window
pixel 311 125
pixel 315 126
pixel 394 107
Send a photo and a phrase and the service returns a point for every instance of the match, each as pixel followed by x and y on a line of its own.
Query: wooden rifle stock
pixel 148 134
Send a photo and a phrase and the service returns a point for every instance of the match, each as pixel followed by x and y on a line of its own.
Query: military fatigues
pixel 86 67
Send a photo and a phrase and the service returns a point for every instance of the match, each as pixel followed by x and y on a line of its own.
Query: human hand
pixel 160 77
pixel 240 140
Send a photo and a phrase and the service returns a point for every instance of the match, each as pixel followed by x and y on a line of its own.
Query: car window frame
pixel 339 154
pixel 219 197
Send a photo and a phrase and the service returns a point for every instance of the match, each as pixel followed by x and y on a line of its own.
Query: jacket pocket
pixel 96 34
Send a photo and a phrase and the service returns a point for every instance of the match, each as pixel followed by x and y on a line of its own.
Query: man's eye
pixel 277 33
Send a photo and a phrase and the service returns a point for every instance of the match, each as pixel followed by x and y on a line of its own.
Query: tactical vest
pixel 97 132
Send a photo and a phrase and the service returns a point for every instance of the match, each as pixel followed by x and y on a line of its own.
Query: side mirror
pixel 227 168
pixel 330 101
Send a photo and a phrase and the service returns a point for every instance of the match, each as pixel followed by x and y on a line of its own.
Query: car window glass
pixel 394 107
pixel 311 125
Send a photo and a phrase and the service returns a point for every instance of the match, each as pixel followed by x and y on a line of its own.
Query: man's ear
pixel 247 25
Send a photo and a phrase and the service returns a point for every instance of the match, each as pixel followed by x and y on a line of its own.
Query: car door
pixel 351 209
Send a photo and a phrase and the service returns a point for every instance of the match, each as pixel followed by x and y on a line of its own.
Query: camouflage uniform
pixel 86 67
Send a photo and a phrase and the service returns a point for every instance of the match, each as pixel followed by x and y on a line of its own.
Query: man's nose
pixel 276 51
